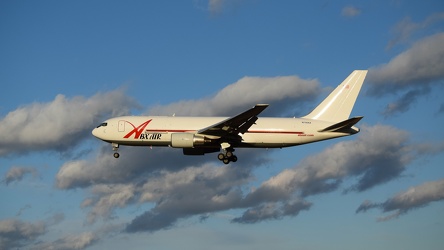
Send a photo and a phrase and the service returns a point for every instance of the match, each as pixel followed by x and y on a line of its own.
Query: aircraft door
pixel 121 126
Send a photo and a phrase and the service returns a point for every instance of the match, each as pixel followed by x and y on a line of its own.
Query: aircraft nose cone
pixel 95 133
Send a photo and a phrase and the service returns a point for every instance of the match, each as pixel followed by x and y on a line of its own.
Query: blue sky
pixel 65 66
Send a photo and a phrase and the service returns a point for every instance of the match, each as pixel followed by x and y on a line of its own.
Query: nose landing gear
pixel 115 148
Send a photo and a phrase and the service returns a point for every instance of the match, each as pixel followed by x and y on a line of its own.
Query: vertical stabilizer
pixel 339 104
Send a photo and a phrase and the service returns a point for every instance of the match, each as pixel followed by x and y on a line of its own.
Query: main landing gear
pixel 227 157
pixel 115 148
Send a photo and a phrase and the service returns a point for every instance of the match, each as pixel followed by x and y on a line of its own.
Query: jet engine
pixel 188 140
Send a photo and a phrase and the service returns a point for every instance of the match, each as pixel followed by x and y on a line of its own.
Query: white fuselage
pixel 265 133
pixel 201 135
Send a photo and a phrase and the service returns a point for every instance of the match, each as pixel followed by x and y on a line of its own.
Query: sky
pixel 66 66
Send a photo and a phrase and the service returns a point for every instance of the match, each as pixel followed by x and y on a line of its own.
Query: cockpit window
pixel 103 124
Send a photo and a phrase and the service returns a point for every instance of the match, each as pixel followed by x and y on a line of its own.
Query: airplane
pixel 202 135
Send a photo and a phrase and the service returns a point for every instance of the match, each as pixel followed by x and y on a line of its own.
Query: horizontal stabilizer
pixel 344 126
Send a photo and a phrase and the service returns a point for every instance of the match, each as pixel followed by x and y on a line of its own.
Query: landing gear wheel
pixel 234 158
pixel 116 155
pixel 229 154
pixel 227 157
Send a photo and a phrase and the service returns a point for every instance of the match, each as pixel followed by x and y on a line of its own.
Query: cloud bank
pixel 413 198
pixel 181 187
pixel 403 30
pixel 283 92
pixel 16 233
pixel 117 184
pixel 378 155
pixel 58 125
pixel 411 72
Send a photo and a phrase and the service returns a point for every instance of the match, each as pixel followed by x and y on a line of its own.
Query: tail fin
pixel 339 104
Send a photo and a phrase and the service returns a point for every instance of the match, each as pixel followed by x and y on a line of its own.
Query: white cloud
pixel 113 181
pixel 282 92
pixel 413 198
pixel 404 29
pixel 16 174
pixel 60 124
pixel 216 7
pixel 192 191
pixel 70 242
pixel 16 233
pixel 412 72
pixel 421 64
pixel 108 198
pixel 350 11
pixel 378 155
pixel 273 210
pixel 135 163
pixel 198 187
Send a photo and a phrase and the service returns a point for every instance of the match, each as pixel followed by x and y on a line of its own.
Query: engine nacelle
pixel 187 140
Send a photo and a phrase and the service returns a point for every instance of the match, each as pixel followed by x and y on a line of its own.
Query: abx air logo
pixel 137 131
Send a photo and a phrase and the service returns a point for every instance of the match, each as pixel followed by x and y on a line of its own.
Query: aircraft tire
pixel 221 157
pixel 116 155
pixel 226 160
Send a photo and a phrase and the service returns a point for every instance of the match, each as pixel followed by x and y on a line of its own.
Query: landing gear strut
pixel 115 148
pixel 228 156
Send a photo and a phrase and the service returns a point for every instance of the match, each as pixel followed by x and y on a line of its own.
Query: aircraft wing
pixel 234 125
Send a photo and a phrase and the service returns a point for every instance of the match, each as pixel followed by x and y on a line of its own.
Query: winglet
pixel 339 104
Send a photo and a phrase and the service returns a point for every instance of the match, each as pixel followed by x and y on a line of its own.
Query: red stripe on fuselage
pixel 275 132
pixel 252 131
pixel 169 130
